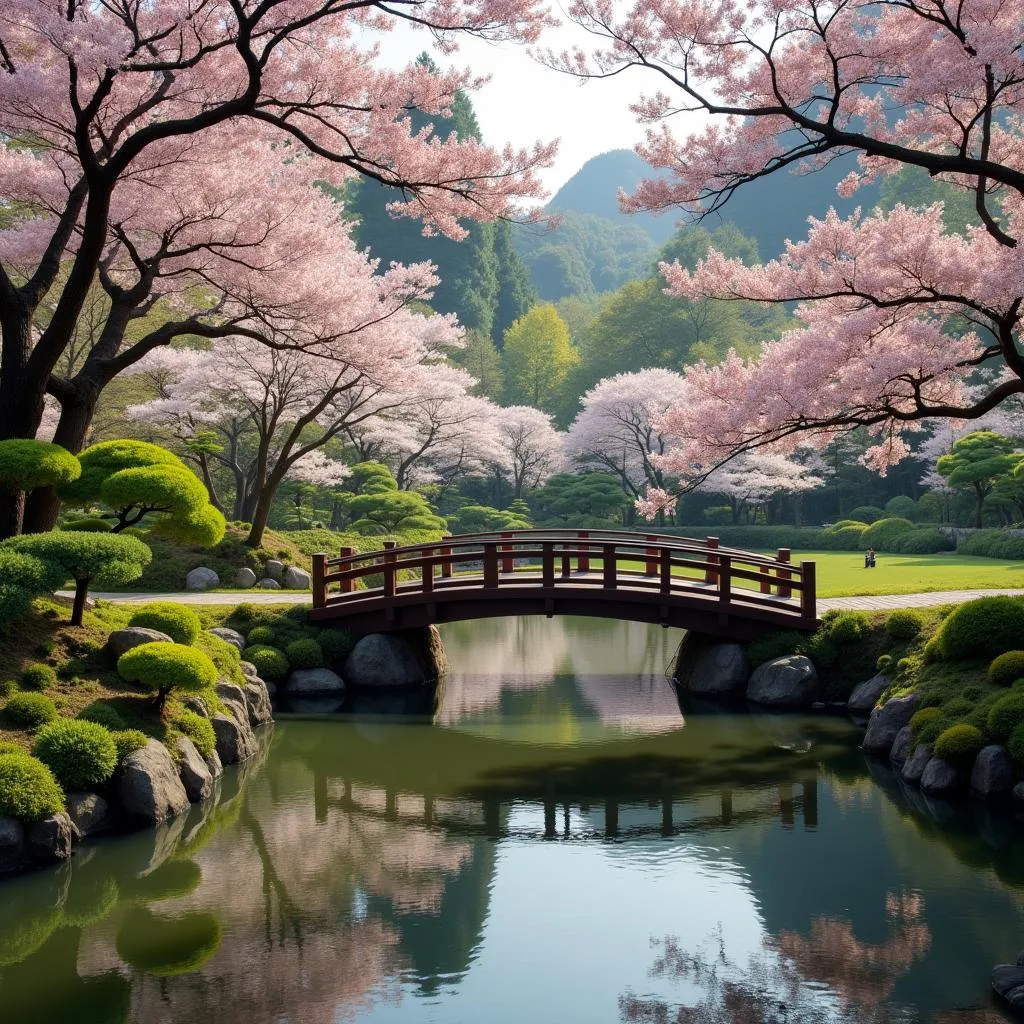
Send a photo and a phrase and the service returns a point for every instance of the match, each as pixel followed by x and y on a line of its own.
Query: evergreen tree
pixel 515 292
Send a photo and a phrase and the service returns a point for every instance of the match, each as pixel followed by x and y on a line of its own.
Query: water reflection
pixel 399 872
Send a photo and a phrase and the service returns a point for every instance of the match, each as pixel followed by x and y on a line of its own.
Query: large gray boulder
pixel 314 682
pixel 148 785
pixel 296 579
pixel 865 695
pixel 230 691
pixel 245 578
pixel 201 579
pixel 193 771
pixel 268 584
pixel 235 741
pixel 992 774
pixel 123 640
pixel 939 777
pixel 231 636
pixel 89 811
pixel 248 669
pixel 790 682
pixel 383 660
pixel 50 841
pixel 715 671
pixel 214 764
pixel 885 722
pixel 12 843
pixel 257 701
pixel 901 747
pixel 274 570
pixel 914 766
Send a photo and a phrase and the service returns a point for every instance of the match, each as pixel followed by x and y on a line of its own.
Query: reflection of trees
pixel 783 984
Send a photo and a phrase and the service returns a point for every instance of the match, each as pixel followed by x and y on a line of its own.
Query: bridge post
pixel 808 595
pixel 651 569
pixel 507 561
pixel 609 565
pixel 766 579
pixel 547 564
pixel 566 565
pixel 319 572
pixel 710 576
pixel 584 560
pixel 389 570
pixel 490 566
pixel 666 571
pixel 446 559
pixel 346 586
pixel 724 589
pixel 427 574
pixel 785 590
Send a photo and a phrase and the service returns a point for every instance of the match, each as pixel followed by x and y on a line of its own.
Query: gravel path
pixel 882 602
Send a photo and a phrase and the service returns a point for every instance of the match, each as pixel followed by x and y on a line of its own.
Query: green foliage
pixel 27 464
pixel 993 544
pixel 167 947
pixel 774 645
pixel 579 499
pixel 28 789
pixel 87 525
pixel 884 663
pixel 959 742
pixel 1006 714
pixel 923 717
pixel 23 577
pixel 260 635
pixel 38 677
pixel 902 507
pixel 103 460
pixel 904 624
pixel 29 710
pixel 198 729
pixel 271 664
pixel 336 644
pixel 224 656
pixel 178 621
pixel 842 538
pixel 127 741
pixel 379 514
pixel 883 534
pixel 922 542
pixel 847 627
pixel 104 714
pixel 931 731
pixel 980 628
pixel 102 559
pixel 8 687
pixel 200 526
pixel 1006 668
pixel 304 653
pixel 481 359
pixel 1015 745
pixel 976 462
pixel 867 513
pixel 821 649
pixel 79 753
pixel 904 665
pixel 484 519
pixel 162 667
pixel 538 356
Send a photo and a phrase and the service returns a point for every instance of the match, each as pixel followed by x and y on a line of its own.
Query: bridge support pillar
pixel 611 817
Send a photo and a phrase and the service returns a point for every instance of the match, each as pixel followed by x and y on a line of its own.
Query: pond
pixel 558 842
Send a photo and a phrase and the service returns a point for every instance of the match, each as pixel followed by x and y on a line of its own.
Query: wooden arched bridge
pixel 673 581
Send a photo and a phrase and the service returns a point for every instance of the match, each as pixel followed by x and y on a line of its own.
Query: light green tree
pixel 977 462
pixel 538 356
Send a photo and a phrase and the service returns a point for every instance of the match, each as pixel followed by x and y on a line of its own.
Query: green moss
pixel 981 628
pixel 1006 668
pixel 924 717
pixel 38 677
pixel 1015 744
pixel 1005 715
pixel 80 754
pixel 959 742
pixel 225 656
pixel 846 627
pixel 904 624
pixel 163 667
pixel 336 644
pixel 198 729
pixel 102 713
pixel 304 653
pixel 260 635
pixel 127 741
pixel 271 664
pixel 28 789
pixel 179 622
pixel 29 710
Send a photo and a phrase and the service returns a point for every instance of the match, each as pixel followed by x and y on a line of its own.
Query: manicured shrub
pixel 1005 715
pixel 8 687
pixel 260 635
pixel 993 544
pixel 198 729
pixel 982 628
pixel 844 538
pixel 923 542
pixel 127 741
pixel 28 789
pixel 884 664
pixel 271 664
pixel 79 753
pixel 774 645
pixel 884 533
pixel 336 644
pixel 1006 668
pixel 304 654
pixel 30 710
pixel 932 650
pixel 38 677
pixel 821 650
pixel 162 667
pixel 224 655
pixel 959 742
pixel 1015 744
pixel 930 732
pixel 903 507
pixel 180 623
pixel 245 614
pixel 867 514
pixel 904 624
pixel 103 714
pixel 921 718
pixel 931 700
pixel 87 525
pixel 848 627
pixel 10 747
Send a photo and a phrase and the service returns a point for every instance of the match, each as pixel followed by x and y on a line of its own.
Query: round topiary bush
pixel 847 628
pixel 260 635
pixel 1006 668
pixel 30 710
pixel 271 664
pixel 127 741
pixel 304 654
pixel 1005 715
pixel 923 717
pixel 982 628
pixel 885 533
pixel 336 644
pixel 180 623
pixel 198 729
pixel 28 790
pixel 163 667
pixel 884 663
pixel 958 707
pixel 80 754
pixel 844 538
pixel 959 742
pixel 38 677
pixel 904 624
pixel 867 513
pixel 103 714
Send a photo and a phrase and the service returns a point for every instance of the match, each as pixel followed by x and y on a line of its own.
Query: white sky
pixel 525 101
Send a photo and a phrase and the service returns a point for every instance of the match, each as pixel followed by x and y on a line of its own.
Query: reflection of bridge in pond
pixel 490 815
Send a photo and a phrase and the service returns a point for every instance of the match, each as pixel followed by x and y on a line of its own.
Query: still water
pixel 556 844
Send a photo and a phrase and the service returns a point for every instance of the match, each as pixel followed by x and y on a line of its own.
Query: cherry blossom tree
pixel 146 148
pixel 530 446
pixel 615 430
pixel 896 315
pixel 753 479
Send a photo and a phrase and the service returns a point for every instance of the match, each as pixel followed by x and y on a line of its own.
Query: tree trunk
pixel 259 518
pixel 979 507
pixel 81 593
pixel 12 513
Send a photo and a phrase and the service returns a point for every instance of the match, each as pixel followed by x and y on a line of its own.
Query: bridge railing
pixel 555 559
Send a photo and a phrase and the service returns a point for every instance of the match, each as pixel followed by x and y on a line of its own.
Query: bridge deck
pixel 612 574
